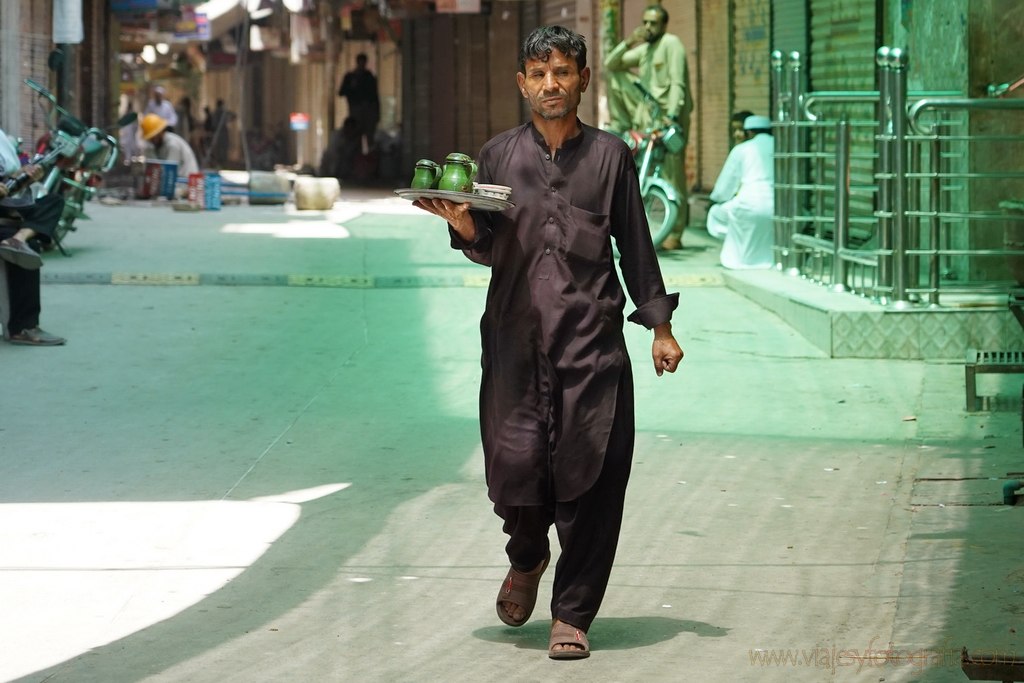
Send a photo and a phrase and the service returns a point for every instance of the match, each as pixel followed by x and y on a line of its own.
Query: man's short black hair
pixel 740 116
pixel 541 41
pixel 658 8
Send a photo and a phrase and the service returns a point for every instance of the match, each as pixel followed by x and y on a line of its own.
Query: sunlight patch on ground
pixel 82 575
pixel 345 209
pixel 290 230
pixel 303 495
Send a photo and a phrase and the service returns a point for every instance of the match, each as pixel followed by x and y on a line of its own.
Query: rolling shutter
pixel 789 26
pixel 751 63
pixel 844 37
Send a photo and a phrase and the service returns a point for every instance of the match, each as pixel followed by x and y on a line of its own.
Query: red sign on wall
pixel 299 120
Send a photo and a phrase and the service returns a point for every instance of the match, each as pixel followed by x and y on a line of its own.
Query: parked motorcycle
pixel 76 157
pixel 662 202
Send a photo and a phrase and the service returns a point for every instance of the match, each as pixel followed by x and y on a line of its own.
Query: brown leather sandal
pixel 519 589
pixel 567 634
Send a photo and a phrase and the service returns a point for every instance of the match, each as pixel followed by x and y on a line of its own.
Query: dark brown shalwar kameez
pixel 556 399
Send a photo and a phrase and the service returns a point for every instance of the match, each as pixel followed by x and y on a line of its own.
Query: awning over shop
pixel 223 15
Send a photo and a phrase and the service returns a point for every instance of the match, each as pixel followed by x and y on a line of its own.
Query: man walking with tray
pixel 556 400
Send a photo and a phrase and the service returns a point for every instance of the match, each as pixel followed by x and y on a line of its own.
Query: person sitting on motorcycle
pixel 162 144
pixel 24 223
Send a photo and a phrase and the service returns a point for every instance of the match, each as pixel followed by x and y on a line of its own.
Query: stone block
pixel 316 193
pixel 266 187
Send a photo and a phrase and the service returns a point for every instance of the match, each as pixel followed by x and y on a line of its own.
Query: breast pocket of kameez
pixel 588 236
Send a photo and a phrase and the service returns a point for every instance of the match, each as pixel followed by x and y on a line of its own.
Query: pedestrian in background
pixel 359 88
pixel 556 398
pixel 744 196
pixel 186 127
pixel 162 144
pixel 220 119
pixel 657 60
pixel 159 104
pixel 736 122
pixel 128 136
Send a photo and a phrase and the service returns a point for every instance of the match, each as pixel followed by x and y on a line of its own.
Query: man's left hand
pixel 457 215
pixel 637 37
pixel 666 351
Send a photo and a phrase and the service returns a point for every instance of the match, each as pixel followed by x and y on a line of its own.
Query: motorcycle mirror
pixel 55 60
pixel 129 118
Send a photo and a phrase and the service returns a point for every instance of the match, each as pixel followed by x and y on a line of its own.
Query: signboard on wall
pixel 192 25
pixel 142 5
pixel 458 6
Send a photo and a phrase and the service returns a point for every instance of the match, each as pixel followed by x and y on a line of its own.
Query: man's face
pixel 738 134
pixel 554 87
pixel 654 25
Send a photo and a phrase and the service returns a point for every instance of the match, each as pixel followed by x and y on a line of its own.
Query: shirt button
pixel 551 220
pixel 548 157
pixel 547 251
pixel 552 190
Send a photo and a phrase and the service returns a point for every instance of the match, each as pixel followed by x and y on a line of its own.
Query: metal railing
pixel 892 193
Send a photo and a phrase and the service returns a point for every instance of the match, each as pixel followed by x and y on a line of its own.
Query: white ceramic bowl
pixel 496 191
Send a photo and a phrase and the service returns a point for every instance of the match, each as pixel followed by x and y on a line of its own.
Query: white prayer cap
pixel 757 123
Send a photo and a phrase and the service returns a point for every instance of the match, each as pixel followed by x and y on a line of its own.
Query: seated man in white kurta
pixel 744 197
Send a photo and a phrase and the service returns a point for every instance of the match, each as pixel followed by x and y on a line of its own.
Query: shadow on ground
pixel 616 633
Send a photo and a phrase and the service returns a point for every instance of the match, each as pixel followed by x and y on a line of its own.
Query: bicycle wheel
pixel 661 213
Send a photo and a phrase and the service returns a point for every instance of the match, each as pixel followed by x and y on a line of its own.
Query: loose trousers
pixel 588 527
pixel 22 284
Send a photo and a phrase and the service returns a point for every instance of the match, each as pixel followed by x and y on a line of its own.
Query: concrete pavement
pixel 257 459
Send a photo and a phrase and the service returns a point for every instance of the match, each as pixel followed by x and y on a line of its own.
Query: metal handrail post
pixel 900 280
pixel 782 144
pixel 819 172
pixel 945 166
pixel 778 62
pixel 882 143
pixel 789 265
pixel 842 202
pixel 934 207
pixel 914 151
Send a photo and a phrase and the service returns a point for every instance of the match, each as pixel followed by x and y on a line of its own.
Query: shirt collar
pixel 570 144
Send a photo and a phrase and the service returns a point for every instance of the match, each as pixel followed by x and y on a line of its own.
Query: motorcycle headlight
pixel 95 154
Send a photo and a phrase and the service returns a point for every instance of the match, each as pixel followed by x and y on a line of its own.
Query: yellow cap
pixel 152 125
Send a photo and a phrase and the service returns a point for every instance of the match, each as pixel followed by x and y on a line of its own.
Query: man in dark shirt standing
pixel 556 398
pixel 359 88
